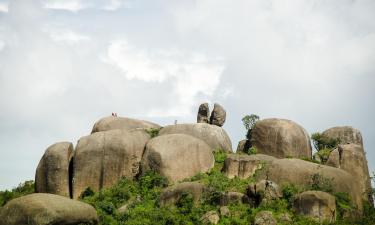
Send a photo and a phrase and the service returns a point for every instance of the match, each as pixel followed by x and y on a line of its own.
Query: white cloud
pixel 113 5
pixel 67 36
pixel 190 73
pixel 70 5
pixel 4 7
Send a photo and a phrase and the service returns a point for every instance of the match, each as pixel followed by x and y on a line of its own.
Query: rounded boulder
pixel 177 156
pixel 122 123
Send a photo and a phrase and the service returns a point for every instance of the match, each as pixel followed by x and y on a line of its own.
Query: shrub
pixel 321 183
pixel 153 132
pixel 251 151
pixel 322 142
pixel 28 187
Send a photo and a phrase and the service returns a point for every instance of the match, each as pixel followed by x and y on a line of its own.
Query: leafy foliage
pixel 28 187
pixel 322 142
pixel 249 121
pixel 153 132
pixel 251 151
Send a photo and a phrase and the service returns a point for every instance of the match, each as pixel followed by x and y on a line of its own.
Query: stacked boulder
pixel 218 114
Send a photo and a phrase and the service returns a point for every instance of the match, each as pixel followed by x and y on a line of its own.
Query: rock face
pixel 122 123
pixel 243 146
pixel 233 198
pixel 281 138
pixel 177 156
pixel 350 157
pixel 214 136
pixel 172 195
pixel 346 135
pixel 264 218
pixel 46 209
pixel 264 191
pixel 218 115
pixel 292 171
pixel 103 158
pixel 318 205
pixel 52 173
pixel 203 113
pixel 210 217
pixel 243 166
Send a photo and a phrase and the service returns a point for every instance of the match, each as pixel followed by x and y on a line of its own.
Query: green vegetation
pixel 22 189
pixel 153 132
pixel 251 151
pixel 249 122
pixel 321 142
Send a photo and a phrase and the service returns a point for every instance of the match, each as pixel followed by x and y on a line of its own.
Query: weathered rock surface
pixel 172 195
pixel 351 158
pixel 52 173
pixel 318 205
pixel 244 166
pixel 264 218
pixel 346 134
pixel 103 158
pixel 243 146
pixel 224 211
pixel 177 156
pixel 264 191
pixel 46 209
pixel 203 113
pixel 231 197
pixel 281 138
pixel 218 115
pixel 210 217
pixel 214 136
pixel 292 171
pixel 122 123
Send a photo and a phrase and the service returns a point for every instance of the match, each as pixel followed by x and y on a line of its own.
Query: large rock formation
pixel 281 138
pixel 203 113
pixel 47 209
pixel 350 157
pixel 318 205
pixel 123 123
pixel 218 115
pixel 345 134
pixel 52 173
pixel 173 194
pixel 243 146
pixel 231 197
pixel 214 136
pixel 177 156
pixel 103 158
pixel 264 191
pixel 297 172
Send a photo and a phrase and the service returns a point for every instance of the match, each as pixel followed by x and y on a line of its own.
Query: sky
pixel 64 64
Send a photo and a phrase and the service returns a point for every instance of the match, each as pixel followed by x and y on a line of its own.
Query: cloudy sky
pixel 66 63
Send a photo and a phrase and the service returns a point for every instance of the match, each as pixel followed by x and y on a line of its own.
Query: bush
pixel 153 132
pixel 322 142
pixel 321 183
pixel 28 187
pixel 251 151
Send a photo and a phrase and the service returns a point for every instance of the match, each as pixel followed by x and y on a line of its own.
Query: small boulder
pixel 264 218
pixel 317 205
pixel 172 195
pixel 103 158
pixel 264 191
pixel 345 134
pixel 122 123
pixel 52 173
pixel 334 159
pixel 203 113
pixel 218 115
pixel 243 146
pixel 214 136
pixel 210 217
pixel 177 156
pixel 281 138
pixel 230 197
pixel 284 218
pixel 46 209
pixel 243 166
pixel 224 211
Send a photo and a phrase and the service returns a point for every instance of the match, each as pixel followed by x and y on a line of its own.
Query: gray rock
pixel 52 173
pixel 214 136
pixel 210 217
pixel 346 134
pixel 281 138
pixel 172 195
pixel 218 115
pixel 243 146
pixel 224 211
pixel 122 123
pixel 230 197
pixel 177 156
pixel 264 218
pixel 203 113
pixel 317 205
pixel 264 191
pixel 46 209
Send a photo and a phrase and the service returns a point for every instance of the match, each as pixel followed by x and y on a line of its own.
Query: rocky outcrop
pixel 345 134
pixel 172 195
pixel 177 156
pixel 214 136
pixel 231 197
pixel 122 123
pixel 264 218
pixel 103 158
pixel 52 173
pixel 244 166
pixel 47 209
pixel 281 138
pixel 351 158
pixel 264 191
pixel 218 115
pixel 317 205
pixel 243 146
pixel 203 113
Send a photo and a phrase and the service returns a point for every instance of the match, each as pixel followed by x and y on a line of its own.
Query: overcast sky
pixel 66 63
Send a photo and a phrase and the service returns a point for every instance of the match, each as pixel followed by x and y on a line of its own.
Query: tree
pixel 249 121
